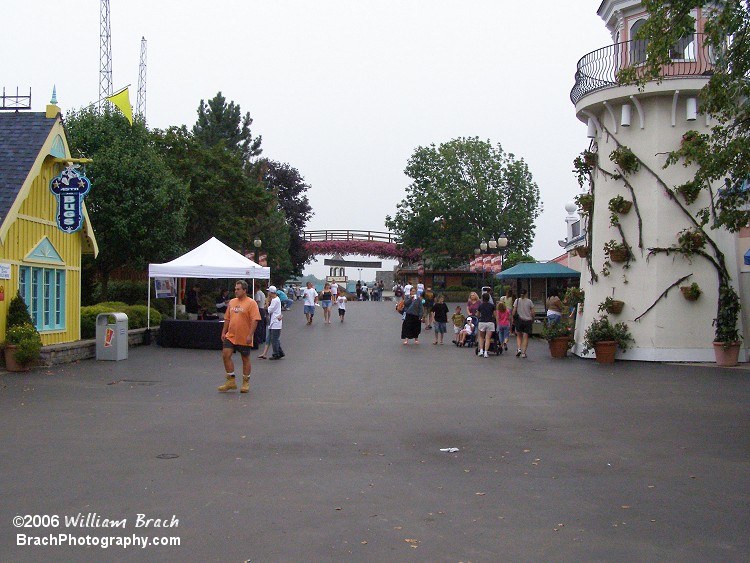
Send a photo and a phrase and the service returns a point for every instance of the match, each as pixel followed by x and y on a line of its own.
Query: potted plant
pixel 558 336
pixel 617 251
pixel 619 204
pixel 573 296
pixel 585 202
pixel 604 338
pixel 625 159
pixel 727 337
pixel 23 346
pixel 691 292
pixel 582 251
pixel 612 306
pixel 22 341
pixel 691 241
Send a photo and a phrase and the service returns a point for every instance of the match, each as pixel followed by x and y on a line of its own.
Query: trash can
pixel 112 337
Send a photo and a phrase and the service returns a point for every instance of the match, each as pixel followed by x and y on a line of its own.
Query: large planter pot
pixel 605 351
pixel 726 353
pixel 558 347
pixel 10 359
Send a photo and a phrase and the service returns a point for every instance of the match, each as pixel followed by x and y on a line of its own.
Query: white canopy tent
pixel 212 259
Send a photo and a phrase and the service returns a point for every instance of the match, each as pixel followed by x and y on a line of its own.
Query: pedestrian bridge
pixel 366 243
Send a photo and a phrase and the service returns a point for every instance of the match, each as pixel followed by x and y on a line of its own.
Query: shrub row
pixel 137 316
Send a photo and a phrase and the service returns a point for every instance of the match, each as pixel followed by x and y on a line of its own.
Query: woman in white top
pixel 274 324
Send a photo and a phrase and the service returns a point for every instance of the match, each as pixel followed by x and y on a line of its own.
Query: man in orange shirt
pixel 240 320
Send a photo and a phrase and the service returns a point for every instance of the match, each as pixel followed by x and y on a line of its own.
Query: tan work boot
pixel 229 384
pixel 245 384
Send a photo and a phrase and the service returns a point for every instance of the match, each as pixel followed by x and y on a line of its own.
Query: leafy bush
pixel 601 330
pixel 137 316
pixel 164 306
pixel 18 313
pixel 561 329
pixel 28 342
pixel 117 306
pixel 88 319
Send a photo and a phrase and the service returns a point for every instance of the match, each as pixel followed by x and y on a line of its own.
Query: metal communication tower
pixel 141 103
pixel 105 54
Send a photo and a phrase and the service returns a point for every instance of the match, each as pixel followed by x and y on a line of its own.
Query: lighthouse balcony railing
pixel 601 68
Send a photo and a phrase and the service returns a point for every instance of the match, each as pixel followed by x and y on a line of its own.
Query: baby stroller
pixel 496 347
pixel 471 339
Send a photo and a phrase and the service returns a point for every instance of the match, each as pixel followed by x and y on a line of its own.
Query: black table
pixel 205 335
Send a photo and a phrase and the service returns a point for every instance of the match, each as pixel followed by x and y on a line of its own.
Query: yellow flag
pixel 122 101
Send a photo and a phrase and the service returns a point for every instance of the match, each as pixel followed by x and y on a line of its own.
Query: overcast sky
pixel 343 90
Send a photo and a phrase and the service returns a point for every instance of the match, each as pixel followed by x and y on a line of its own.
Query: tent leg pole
pixel 148 300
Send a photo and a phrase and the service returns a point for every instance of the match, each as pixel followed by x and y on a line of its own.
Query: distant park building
pixel 44 226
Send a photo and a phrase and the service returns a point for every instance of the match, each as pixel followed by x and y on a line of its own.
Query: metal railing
pixel 599 69
pixel 376 236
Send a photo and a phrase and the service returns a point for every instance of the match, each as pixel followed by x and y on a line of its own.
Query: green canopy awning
pixel 538 270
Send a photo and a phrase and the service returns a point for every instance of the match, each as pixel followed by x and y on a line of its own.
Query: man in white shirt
pixel 311 298
pixel 274 323
pixel 334 291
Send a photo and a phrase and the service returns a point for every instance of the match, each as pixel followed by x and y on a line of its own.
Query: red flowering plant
pixel 362 247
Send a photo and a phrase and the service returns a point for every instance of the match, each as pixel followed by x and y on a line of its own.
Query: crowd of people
pixel 486 324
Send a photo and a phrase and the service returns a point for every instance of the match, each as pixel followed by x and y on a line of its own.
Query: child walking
pixel 341 302
pixel 458 323
pixel 440 314
pixel 502 314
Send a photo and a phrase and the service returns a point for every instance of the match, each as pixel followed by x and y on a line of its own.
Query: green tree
pixel 462 192
pixel 289 188
pixel 226 198
pixel 220 122
pixel 515 258
pixel 136 204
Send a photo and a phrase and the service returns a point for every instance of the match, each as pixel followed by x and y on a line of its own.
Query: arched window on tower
pixel 637 46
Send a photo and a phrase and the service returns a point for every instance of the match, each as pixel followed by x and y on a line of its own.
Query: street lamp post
pixel 256 243
pixel 483 248
pixel 478 252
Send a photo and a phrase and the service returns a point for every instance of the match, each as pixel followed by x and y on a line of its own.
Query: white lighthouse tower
pixel 648 124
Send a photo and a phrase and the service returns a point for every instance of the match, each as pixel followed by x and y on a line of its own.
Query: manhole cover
pixel 167 456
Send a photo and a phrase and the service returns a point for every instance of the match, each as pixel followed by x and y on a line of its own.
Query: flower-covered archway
pixel 362 247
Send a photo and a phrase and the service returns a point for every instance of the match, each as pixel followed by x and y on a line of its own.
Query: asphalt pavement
pixel 336 455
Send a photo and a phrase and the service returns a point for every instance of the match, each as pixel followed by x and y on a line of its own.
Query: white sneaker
pixel 486 355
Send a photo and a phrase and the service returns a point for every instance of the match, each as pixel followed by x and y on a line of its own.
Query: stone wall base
pixel 69 352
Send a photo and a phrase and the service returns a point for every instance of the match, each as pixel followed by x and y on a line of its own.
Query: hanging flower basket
pixel 582 251
pixel 619 255
pixel 620 205
pixel 691 292
pixel 615 308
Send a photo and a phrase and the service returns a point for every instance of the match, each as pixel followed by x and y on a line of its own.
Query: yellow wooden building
pixel 37 255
